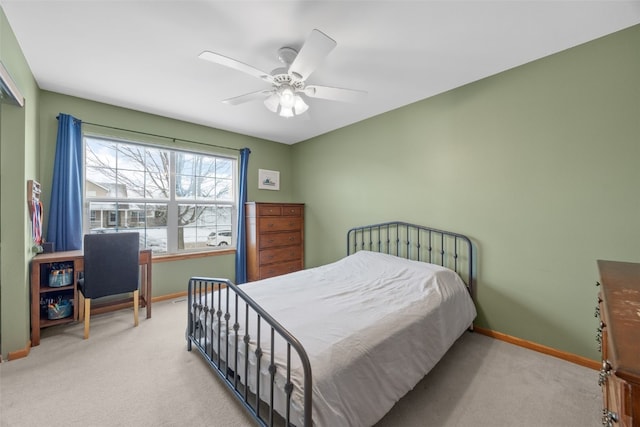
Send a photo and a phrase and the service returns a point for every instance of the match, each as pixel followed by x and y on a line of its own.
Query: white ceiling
pixel 143 55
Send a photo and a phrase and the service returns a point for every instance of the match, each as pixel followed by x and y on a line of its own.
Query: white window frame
pixel 173 201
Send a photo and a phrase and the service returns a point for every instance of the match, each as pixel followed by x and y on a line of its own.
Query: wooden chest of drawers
pixel 275 239
pixel 619 336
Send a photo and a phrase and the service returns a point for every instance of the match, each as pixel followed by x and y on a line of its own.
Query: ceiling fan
pixel 288 82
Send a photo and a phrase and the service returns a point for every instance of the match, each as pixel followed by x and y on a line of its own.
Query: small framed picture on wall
pixel 268 180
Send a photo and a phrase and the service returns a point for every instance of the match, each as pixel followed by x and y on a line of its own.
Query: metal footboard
pixel 221 320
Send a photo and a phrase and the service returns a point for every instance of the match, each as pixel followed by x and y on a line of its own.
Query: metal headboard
pixel 415 242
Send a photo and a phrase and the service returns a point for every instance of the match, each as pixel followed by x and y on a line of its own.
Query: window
pixel 176 200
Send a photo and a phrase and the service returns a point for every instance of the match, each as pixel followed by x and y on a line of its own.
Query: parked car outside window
pixel 220 238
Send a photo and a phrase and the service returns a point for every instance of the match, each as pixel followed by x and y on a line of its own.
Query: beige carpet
pixel 125 376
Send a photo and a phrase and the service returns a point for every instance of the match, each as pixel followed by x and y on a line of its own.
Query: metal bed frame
pixel 402 239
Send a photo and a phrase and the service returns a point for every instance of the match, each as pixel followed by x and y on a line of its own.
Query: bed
pixel 339 344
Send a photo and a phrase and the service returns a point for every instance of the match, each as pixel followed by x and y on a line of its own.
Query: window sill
pixel 190 255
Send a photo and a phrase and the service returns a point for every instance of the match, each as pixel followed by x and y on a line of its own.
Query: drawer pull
pixel 604 373
pixel 600 329
pixel 608 418
pixel 599 336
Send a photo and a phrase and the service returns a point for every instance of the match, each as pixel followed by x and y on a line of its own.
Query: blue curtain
pixel 65 211
pixel 241 241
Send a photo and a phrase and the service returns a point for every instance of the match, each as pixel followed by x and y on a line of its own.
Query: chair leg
pixel 80 306
pixel 136 304
pixel 87 316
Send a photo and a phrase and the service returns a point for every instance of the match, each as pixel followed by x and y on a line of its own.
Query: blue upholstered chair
pixel 110 268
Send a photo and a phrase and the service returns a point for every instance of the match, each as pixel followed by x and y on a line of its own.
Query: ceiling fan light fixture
pixel 272 102
pixel 286 111
pixel 287 97
pixel 285 102
pixel 300 106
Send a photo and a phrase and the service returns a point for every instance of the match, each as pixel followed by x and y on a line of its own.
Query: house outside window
pixel 178 201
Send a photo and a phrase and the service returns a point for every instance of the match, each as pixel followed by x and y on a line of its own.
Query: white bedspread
pixel 372 324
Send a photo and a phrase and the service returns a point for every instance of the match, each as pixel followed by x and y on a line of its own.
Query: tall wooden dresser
pixel 275 239
pixel 619 336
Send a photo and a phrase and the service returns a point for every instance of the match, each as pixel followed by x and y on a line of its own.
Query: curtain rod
pixel 160 136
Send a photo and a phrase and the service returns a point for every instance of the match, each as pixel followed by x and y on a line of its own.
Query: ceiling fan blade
pixel 253 96
pixel 315 49
pixel 236 65
pixel 335 93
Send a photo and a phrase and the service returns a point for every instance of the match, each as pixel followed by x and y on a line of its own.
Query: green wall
pixel 538 165
pixel 18 163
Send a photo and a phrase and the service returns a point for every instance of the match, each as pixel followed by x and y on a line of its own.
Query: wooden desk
pixel 40 288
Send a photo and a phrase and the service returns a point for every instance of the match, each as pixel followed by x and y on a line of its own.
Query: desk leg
pixel 35 304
